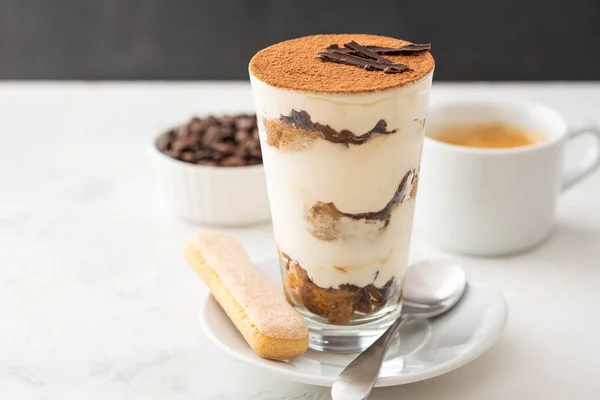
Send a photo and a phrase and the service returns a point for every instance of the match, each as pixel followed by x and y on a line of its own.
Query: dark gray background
pixel 193 39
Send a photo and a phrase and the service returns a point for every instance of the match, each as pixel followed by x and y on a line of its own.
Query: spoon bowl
pixel 431 288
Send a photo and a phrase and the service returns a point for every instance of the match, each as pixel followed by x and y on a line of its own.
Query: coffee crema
pixel 494 135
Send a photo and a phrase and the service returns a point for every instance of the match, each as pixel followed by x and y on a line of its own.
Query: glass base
pixel 351 338
pixel 345 305
pixel 345 319
pixel 347 338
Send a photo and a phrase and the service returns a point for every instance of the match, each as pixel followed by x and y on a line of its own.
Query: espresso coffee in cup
pixel 492 172
pixel 490 135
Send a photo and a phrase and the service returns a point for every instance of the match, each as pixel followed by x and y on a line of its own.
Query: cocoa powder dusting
pixel 293 65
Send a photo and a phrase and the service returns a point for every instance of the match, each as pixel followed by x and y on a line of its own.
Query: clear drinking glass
pixel 342 172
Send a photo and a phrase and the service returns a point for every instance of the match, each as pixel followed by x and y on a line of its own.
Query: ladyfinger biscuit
pixel 258 310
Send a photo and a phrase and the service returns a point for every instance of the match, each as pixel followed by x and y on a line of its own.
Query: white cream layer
pixel 357 179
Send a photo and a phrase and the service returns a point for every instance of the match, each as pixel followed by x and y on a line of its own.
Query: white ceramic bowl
pixel 220 196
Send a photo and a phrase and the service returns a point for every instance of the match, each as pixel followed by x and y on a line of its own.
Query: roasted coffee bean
pixel 195 126
pixel 245 123
pixel 233 161
pixel 203 125
pixel 203 154
pixel 190 141
pixel 253 160
pixel 242 135
pixel 248 145
pixel 178 147
pixel 227 121
pixel 182 131
pixel 164 143
pixel 255 152
pixel 207 162
pixel 188 156
pixel 224 148
pixel 227 131
pixel 212 121
pixel 211 135
pixel 240 150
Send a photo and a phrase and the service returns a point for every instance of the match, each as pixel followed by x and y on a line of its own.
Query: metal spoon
pixel 431 288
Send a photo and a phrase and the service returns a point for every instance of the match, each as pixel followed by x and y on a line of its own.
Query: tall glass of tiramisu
pixel 341 121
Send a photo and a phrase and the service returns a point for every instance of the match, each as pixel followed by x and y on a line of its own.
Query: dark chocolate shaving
pixel 337 49
pixel 369 57
pixel 407 50
pixel 403 193
pixel 366 53
pixel 301 119
pixel 357 61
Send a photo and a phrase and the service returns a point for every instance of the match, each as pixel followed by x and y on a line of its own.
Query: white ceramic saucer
pixel 427 348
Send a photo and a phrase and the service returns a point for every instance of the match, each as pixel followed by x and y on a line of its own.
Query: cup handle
pixel 587 165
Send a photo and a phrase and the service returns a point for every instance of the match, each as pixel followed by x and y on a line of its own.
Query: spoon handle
pixel 357 380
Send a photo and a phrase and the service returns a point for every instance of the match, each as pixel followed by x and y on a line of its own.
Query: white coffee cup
pixel 490 202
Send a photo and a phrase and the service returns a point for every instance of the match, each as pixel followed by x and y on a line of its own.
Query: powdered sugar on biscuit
pixel 263 303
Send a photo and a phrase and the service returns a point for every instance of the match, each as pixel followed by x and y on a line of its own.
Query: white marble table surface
pixel 97 302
